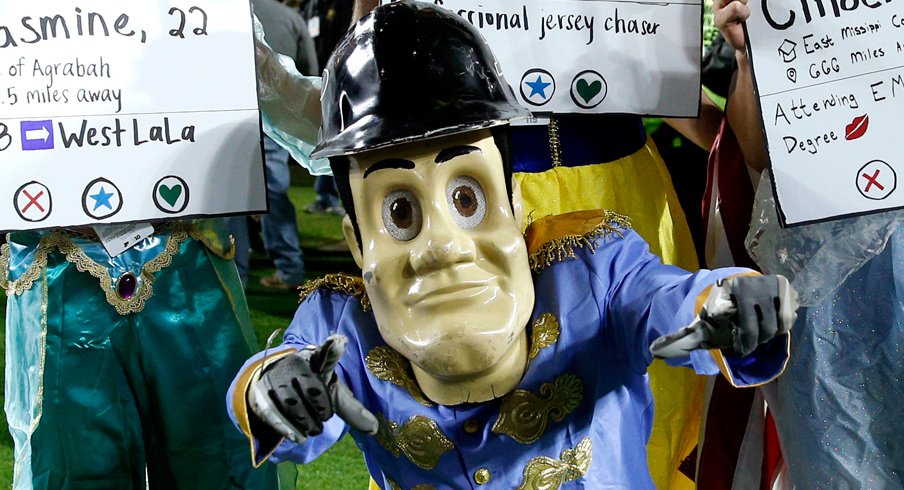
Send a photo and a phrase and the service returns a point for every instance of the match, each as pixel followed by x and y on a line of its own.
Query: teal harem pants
pixel 117 369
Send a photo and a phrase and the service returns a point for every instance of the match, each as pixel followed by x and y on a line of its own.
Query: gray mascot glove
pixel 295 395
pixel 740 313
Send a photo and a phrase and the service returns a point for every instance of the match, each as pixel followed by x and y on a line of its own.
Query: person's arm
pixel 362 7
pixel 738 319
pixel 284 398
pixel 289 102
pixel 264 440
pixel 742 109
pixel 701 130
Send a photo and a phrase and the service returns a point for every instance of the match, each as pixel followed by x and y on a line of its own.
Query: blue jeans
pixel 279 226
pixel 327 195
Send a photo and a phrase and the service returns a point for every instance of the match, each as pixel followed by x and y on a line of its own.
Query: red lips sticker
pixel 856 128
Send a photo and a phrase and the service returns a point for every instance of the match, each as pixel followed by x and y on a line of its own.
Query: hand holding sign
pixel 728 15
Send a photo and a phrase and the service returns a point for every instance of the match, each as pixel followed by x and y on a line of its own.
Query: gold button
pixel 471 426
pixel 482 476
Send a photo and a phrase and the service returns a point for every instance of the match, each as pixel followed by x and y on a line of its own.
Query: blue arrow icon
pixel 37 135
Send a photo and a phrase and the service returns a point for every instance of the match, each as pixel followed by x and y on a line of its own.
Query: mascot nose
pixel 442 249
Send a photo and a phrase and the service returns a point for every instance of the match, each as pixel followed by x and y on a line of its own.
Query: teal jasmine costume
pixel 115 366
pixel 583 411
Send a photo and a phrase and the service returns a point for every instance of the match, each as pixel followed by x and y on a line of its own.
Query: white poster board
pixel 601 56
pixel 115 112
pixel 831 86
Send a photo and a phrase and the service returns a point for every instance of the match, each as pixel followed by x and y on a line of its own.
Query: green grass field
pixel 343 466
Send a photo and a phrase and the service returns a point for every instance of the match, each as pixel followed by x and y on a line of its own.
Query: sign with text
pixel 601 56
pixel 830 77
pixel 116 112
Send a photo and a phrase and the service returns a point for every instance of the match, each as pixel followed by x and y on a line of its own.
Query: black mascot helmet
pixel 410 71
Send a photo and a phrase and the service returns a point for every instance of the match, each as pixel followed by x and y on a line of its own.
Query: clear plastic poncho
pixel 816 258
pixel 839 406
pixel 289 103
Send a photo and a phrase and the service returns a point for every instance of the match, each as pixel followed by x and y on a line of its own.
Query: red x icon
pixel 871 181
pixel 33 202
pixel 876 180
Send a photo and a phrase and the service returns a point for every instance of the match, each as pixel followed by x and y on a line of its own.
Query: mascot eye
pixel 402 215
pixel 467 203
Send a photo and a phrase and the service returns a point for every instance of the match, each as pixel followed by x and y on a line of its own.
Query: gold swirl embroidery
pixel 419 439
pixel 4 265
pixel 545 333
pixel 524 415
pixel 560 249
pixel 342 283
pixel 545 473
pixel 388 365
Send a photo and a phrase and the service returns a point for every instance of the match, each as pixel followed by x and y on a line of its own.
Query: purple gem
pixel 126 285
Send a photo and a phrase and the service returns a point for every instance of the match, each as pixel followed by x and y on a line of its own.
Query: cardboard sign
pixel 609 56
pixel 831 86
pixel 116 112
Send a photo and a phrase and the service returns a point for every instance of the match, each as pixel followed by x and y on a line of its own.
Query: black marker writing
pixel 566 22
pixel 34 30
pixel 783 22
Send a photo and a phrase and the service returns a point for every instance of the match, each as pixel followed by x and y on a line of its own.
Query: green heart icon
pixel 170 194
pixel 588 91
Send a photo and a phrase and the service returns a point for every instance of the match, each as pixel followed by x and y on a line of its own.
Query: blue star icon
pixel 538 87
pixel 102 198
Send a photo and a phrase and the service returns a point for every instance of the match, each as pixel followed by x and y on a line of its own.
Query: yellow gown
pixel 637 185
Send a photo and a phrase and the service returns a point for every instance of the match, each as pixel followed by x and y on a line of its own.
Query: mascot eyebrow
pixel 389 163
pixel 455 151
pixel 443 156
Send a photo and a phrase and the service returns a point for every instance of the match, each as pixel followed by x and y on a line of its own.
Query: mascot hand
pixel 740 313
pixel 297 393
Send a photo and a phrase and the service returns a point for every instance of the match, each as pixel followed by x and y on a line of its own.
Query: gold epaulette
pixel 341 283
pixel 554 238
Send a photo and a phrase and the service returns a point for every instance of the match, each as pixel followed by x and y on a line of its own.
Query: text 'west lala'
pixel 115 134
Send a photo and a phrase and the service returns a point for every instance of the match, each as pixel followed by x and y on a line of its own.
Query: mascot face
pixel 442 256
